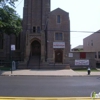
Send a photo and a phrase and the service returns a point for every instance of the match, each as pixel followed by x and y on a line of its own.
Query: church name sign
pixel 58 44
pixel 81 62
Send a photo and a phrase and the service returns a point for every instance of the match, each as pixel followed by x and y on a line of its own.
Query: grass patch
pixel 5 68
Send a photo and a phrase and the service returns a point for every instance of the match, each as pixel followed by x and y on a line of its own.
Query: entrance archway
pixel 58 56
pixel 35 55
pixel 35 48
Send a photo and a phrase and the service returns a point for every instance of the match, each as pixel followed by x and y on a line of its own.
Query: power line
pixel 62 31
pixel 76 31
pixel 19 3
pixel 71 31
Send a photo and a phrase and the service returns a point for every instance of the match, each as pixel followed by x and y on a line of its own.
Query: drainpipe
pixel 41 13
pixel 46 38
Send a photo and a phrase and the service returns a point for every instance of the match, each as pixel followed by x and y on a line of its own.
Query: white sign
pixel 58 44
pixel 12 47
pixel 70 54
pixel 81 62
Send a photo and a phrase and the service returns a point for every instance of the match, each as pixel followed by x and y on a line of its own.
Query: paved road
pixel 48 86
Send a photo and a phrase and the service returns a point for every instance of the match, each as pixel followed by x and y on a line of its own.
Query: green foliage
pixel 10 22
pixel 80 50
pixel 5 2
pixel 5 68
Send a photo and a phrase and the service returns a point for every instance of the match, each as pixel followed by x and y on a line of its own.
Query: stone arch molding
pixel 35 39
pixel 32 40
pixel 28 47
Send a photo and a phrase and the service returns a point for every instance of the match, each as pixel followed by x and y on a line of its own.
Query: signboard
pixel 81 62
pixel 70 54
pixel 58 44
pixel 12 47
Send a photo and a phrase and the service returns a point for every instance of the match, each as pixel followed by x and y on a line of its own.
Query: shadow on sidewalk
pixel 2 72
pixel 47 69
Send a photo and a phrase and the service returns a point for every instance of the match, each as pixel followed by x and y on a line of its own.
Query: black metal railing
pixel 39 61
pixel 29 60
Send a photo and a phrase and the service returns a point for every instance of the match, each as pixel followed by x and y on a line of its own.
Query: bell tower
pixel 35 14
pixel 34 23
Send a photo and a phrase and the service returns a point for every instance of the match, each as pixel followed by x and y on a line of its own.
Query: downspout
pixel 41 13
pixel 46 37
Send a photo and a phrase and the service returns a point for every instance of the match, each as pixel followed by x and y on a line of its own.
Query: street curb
pixel 54 75
pixel 48 98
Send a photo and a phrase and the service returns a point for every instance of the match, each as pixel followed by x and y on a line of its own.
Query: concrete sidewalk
pixel 64 72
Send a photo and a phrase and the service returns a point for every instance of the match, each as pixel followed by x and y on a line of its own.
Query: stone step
pixel 34 62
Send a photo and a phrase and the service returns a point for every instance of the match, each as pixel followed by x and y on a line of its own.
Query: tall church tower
pixel 35 13
pixel 34 23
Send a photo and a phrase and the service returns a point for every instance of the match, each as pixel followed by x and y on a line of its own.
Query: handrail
pixel 29 59
pixel 39 60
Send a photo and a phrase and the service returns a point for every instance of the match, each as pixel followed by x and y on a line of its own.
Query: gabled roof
pixel 59 9
pixel 93 34
pixel 79 47
pixel 97 31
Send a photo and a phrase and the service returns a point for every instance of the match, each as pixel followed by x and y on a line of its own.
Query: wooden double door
pixel 58 56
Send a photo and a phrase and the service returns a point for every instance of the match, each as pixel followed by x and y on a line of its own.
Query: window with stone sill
pixel 58 36
pixel 91 42
pixel 18 42
pixel 34 29
pixel 1 44
pixel 95 56
pixel 99 56
pixel 38 29
pixel 1 41
pixel 58 19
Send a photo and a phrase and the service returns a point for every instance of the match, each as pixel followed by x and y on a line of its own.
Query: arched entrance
pixel 35 48
pixel 58 56
pixel 35 56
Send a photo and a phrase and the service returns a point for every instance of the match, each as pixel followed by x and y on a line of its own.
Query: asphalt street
pixel 32 86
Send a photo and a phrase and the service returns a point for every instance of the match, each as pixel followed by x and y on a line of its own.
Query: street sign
pixel 12 47
pixel 70 54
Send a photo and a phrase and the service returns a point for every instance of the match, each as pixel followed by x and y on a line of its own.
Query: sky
pixel 84 16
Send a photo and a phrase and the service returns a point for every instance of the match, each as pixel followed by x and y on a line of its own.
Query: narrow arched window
pixel 34 29
pixel 1 41
pixel 18 42
pixel 38 29
pixel 58 19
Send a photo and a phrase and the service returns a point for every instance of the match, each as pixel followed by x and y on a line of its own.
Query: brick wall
pixel 63 27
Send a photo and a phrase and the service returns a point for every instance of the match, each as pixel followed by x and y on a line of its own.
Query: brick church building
pixel 45 39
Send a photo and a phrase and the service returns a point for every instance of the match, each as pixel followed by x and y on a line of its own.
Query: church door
pixel 58 56
pixel 36 48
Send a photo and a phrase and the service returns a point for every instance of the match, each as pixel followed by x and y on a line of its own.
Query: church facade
pixel 45 39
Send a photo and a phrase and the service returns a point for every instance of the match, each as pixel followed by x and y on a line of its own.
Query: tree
pixel 10 22
pixel 5 2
